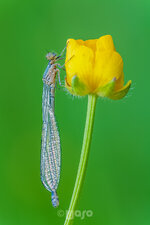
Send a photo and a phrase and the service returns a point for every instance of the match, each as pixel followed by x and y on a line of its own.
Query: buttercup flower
pixel 94 67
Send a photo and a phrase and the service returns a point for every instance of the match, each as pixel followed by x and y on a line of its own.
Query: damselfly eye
pixel 50 56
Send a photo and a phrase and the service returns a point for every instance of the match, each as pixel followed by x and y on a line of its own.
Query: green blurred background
pixel 117 184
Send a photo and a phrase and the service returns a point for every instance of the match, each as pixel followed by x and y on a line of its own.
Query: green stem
pixel 83 158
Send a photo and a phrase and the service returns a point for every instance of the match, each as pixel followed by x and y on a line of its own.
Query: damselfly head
pixel 51 56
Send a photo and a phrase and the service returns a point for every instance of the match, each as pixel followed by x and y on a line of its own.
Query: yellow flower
pixel 94 67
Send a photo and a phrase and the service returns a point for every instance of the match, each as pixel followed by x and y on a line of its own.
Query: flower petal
pixel 108 64
pixel 105 43
pixel 80 64
pixel 72 46
pixel 122 92
pixel 119 82
pixel 91 44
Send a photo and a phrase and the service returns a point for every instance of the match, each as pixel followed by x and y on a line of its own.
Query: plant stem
pixel 84 157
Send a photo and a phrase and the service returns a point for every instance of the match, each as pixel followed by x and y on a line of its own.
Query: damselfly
pixel 50 149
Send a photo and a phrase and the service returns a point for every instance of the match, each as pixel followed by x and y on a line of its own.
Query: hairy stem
pixel 84 157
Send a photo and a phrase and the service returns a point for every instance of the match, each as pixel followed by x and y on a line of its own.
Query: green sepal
pixel 78 88
pixel 69 88
pixel 107 90
pixel 121 93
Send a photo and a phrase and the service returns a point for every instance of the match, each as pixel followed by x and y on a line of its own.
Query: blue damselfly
pixel 50 149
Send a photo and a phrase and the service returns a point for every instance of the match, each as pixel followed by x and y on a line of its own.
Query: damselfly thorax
pixel 52 69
